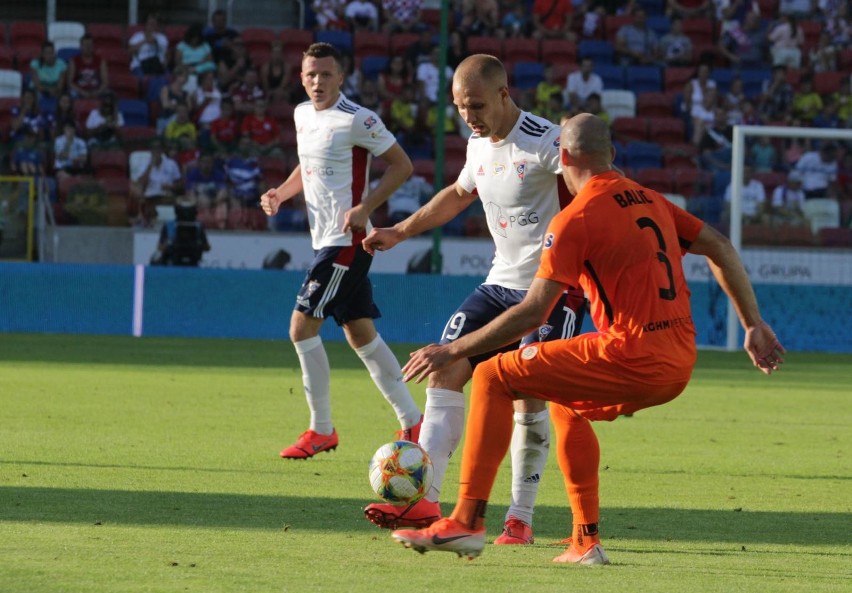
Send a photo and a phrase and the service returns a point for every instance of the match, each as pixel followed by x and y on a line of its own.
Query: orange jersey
pixel 624 244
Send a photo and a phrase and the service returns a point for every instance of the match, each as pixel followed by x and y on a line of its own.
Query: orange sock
pixel 579 457
pixel 584 537
pixel 487 438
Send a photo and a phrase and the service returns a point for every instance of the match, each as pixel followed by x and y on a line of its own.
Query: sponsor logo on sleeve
pixel 370 122
pixel 548 240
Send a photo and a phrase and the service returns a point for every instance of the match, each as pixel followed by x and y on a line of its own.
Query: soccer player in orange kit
pixel 624 244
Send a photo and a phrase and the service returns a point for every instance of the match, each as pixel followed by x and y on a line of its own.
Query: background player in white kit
pixel 336 139
pixel 513 167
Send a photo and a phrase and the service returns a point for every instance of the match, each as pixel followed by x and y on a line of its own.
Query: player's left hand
pixel 764 348
pixel 355 220
pixel 425 361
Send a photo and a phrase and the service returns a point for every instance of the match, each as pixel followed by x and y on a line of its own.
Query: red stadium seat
pixel 425 168
pixel 614 22
pixel 653 104
pixel 137 137
pixel 175 34
pixel 124 84
pixel 82 108
pixel 700 30
pixel 674 79
pixel 117 59
pixel 827 83
pixel 107 36
pixel 400 42
pixel 485 45
pixel 835 237
pixel 680 156
pixel 6 105
pixel 517 49
pixel 274 167
pixel 771 180
pixel 24 55
pixel 296 41
pixel 7 58
pixel 689 182
pixel 27 33
pixel 110 163
pixel 432 17
pixel 258 39
pixel 366 43
pixel 793 236
pixel 282 112
pixel 558 51
pixel 455 146
pixel 627 129
pixel 657 179
pixel 665 130
pixel 812 30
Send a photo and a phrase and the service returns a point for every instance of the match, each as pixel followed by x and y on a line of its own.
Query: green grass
pixel 131 465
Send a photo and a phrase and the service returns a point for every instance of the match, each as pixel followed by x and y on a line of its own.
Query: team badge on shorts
pixel 529 352
pixel 311 288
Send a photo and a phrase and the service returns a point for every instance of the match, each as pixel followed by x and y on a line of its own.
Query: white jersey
pixel 517 180
pixel 335 146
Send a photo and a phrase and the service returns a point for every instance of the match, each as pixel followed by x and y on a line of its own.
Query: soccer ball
pixel 401 472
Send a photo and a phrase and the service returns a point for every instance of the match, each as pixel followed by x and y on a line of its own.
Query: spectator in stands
pixel 733 101
pixel 219 35
pixel 818 170
pixel 225 130
pixel 172 95
pixel 787 199
pixel 427 116
pixel 552 19
pixel 184 151
pixel 480 17
pixel 233 65
pixel 807 103
pixel 247 92
pixel 593 19
pixel 827 117
pixel 743 44
pixel 582 83
pixel 704 114
pixel 636 43
pixel 408 198
pixel 428 74
pixel 823 57
pixel 104 122
pixel 697 87
pixel 70 154
pixel 544 91
pixel 844 184
pixel 88 76
pixel 420 51
pixel 206 185
pixel 714 147
pixel 516 21
pixel 763 156
pixel 157 184
pixel 182 240
pixel 27 158
pixel 594 105
pixel 64 114
pixel 244 176
pixel 206 103
pixel 795 147
pixel 180 125
pixel 456 48
pixel 149 49
pixel 839 25
pixel 787 39
pixel 262 130
pixel 48 72
pixel 194 53
pixel 394 78
pixel 776 100
pixel 352 78
pixel 362 15
pixel 401 16
pixel 749 115
pixel 369 94
pixel 329 15
pixel 754 206
pixel 843 99
pixel 276 76
pixel 26 116
pixel 403 114
pixel 675 46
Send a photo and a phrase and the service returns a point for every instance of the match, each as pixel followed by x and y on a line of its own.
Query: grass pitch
pixel 150 465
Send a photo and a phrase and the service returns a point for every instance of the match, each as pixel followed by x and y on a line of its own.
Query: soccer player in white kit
pixel 513 167
pixel 336 139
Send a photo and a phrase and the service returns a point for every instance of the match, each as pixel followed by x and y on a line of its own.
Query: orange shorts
pixel 576 374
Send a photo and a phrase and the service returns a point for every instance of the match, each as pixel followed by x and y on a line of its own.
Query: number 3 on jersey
pixel 669 293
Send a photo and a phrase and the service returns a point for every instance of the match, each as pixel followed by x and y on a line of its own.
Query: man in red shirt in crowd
pixel 261 129
pixel 87 72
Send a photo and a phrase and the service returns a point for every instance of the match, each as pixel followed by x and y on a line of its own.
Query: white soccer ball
pixel 401 472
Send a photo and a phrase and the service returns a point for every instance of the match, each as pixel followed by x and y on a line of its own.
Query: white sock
pixel 443 424
pixel 387 375
pixel 316 376
pixel 530 443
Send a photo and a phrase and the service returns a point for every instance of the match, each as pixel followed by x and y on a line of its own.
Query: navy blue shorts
pixel 489 300
pixel 337 286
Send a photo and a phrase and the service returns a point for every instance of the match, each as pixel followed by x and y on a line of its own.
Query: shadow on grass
pixel 240 511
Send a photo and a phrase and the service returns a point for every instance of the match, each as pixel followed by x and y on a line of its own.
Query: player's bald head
pixel 586 138
pixel 481 68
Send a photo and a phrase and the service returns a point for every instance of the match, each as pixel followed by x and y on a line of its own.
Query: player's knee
pixel 487 374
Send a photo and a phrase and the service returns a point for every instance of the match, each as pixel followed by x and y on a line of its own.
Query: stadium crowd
pixel 159 111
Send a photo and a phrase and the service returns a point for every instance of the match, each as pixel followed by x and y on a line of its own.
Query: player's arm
pixel 510 326
pixel 399 169
pixel 728 269
pixel 441 209
pixel 275 196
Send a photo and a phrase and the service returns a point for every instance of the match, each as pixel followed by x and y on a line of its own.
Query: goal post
pixel 738 156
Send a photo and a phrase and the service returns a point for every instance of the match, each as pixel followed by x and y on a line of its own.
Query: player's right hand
pixel 381 240
pixel 270 202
